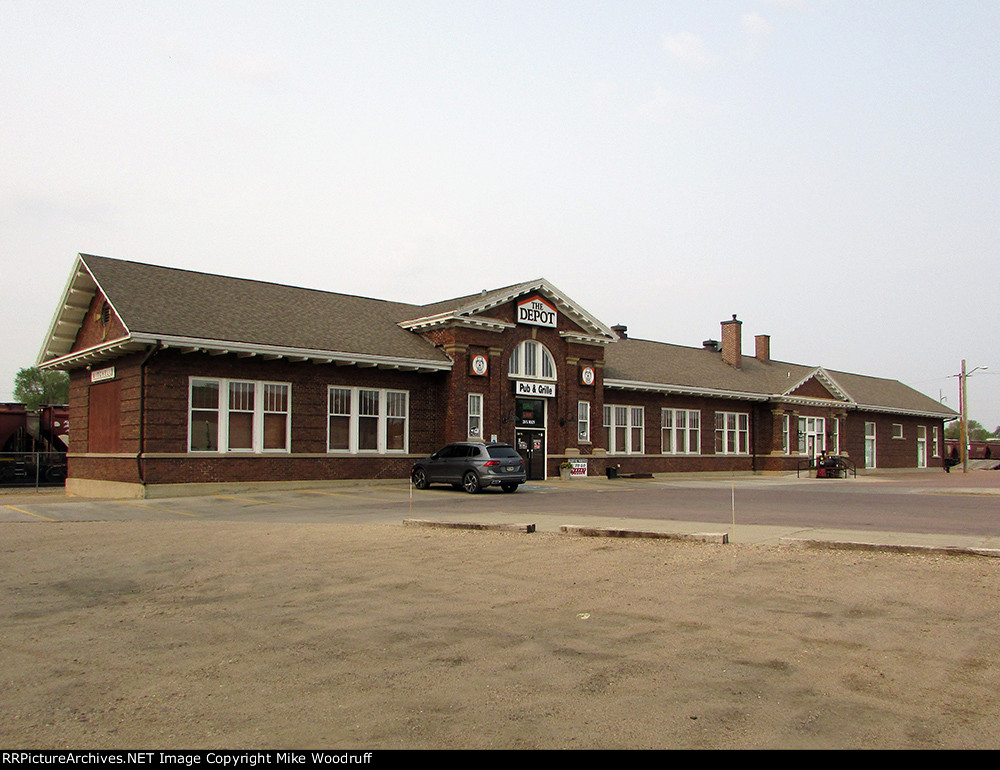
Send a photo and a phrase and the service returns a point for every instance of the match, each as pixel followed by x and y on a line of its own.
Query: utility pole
pixel 963 408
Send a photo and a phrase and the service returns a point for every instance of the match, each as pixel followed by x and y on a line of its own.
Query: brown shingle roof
pixel 183 303
pixel 161 302
pixel 680 369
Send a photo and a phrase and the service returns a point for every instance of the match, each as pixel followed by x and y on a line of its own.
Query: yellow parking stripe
pixel 262 502
pixel 156 508
pixel 29 513
pixel 362 497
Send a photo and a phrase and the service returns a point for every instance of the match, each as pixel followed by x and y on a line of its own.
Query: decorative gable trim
pixel 79 293
pixel 455 319
pixel 824 378
pixel 472 310
pixel 585 339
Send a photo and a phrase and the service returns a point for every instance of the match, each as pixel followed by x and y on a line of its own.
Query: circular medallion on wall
pixel 587 375
pixel 480 365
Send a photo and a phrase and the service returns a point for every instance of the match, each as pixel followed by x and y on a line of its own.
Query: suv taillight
pixel 491 462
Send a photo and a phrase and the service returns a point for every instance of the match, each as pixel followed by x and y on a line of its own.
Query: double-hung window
pixel 624 429
pixel 367 420
pixel 238 416
pixel 732 433
pixel 583 422
pixel 681 431
pixel 475 415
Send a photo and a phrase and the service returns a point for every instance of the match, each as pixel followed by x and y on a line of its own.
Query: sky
pixel 828 170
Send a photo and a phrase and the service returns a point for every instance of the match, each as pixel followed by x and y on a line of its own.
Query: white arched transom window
pixel 532 359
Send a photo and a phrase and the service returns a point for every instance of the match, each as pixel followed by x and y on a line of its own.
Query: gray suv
pixel 471 466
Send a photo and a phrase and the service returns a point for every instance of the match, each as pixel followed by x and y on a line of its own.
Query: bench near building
pixel 182 379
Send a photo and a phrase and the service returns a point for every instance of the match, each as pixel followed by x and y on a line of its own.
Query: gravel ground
pixel 195 634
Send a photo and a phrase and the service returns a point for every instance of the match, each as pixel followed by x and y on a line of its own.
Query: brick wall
pixel 438 413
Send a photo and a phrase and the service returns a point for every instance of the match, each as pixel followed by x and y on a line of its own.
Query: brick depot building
pixel 188 382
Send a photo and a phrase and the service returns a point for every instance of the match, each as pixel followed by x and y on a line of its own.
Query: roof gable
pixel 484 309
pixel 817 385
pixel 184 308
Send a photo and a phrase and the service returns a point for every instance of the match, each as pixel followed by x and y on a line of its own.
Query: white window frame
pixel 734 432
pixel 631 421
pixel 814 427
pixel 871 440
pixel 475 426
pixel 259 412
pixel 583 422
pixel 677 438
pixel 533 360
pixel 921 446
pixel 382 414
pixel 935 442
pixel 897 430
pixel 786 446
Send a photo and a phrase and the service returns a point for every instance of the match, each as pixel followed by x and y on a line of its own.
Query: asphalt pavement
pixel 912 510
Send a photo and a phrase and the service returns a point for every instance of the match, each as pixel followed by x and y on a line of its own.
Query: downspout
pixel 142 412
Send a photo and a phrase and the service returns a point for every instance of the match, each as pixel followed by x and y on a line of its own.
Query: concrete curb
pixel 525 528
pixel 699 537
pixel 846 545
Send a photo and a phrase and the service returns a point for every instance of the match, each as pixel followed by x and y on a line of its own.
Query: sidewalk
pixel 976 483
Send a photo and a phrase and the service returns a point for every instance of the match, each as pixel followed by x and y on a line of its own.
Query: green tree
pixel 34 387
pixel 976 431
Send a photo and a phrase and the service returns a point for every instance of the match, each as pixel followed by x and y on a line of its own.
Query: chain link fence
pixel 32 469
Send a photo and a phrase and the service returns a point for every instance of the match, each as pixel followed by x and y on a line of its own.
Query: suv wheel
pixel 471 483
pixel 420 478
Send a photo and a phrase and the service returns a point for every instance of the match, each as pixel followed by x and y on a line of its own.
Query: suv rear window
pixel 498 452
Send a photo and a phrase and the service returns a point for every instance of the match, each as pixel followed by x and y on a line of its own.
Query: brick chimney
pixel 621 331
pixel 762 343
pixel 732 342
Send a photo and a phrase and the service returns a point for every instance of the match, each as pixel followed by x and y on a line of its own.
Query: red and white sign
pixel 537 312
pixel 480 365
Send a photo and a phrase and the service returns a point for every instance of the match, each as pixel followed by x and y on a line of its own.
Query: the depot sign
pixel 537 311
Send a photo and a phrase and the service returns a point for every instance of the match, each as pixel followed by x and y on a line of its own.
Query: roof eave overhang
pixel 96 354
pixel 906 412
pixel 585 339
pixel 135 342
pixel 443 320
pixel 820 402
pixel 682 390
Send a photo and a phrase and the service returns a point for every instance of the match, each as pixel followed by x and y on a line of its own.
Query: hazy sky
pixel 829 170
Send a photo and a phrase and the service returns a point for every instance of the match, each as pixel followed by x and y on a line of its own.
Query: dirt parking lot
pixel 223 634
